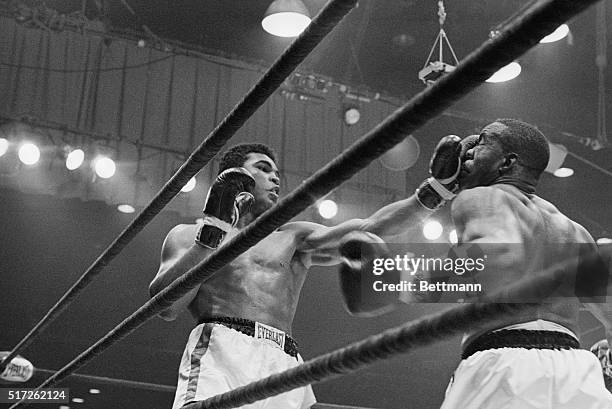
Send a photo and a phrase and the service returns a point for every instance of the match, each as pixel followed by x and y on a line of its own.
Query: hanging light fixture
pixel 328 208
pixel 29 153
pixel 506 73
pixel 74 158
pixel 4 145
pixel 189 185
pixel 560 33
pixel 286 18
pixel 104 166
pixel 435 68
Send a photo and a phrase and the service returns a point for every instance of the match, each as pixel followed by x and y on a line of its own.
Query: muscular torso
pixel 263 284
pixel 540 236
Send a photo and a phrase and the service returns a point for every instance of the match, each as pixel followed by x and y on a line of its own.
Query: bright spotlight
pixel 286 18
pixel 328 209
pixel 29 153
pixel 75 159
pixel 452 237
pixel 4 144
pixel 126 208
pixel 104 167
pixel 285 24
pixel 506 73
pixel 603 240
pixel 189 186
pixel 432 230
pixel 563 172
pixel 561 32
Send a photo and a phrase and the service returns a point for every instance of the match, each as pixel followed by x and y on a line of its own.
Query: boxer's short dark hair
pixel 236 155
pixel 527 142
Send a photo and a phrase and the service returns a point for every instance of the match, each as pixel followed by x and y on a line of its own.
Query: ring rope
pixel 115 381
pixel 516 38
pixel 321 25
pixel 417 333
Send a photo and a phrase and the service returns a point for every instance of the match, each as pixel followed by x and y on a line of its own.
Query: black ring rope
pixel 417 333
pixel 321 25
pixel 516 38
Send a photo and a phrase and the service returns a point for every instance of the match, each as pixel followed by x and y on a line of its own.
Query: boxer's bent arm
pixel 321 242
pixel 179 254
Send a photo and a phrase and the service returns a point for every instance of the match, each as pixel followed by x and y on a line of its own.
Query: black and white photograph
pixel 293 204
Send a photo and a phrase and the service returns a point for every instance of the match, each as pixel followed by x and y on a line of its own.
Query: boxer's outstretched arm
pixel 396 218
pixel 321 242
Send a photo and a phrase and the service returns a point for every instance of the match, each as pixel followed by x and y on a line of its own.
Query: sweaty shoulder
pixel 479 200
pixel 563 228
pixel 487 213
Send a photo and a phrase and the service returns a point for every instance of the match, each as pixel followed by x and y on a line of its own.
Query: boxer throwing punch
pixel 246 309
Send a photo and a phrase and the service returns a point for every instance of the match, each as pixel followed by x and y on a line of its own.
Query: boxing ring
pixel 517 37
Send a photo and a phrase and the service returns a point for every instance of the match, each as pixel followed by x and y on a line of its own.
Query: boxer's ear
pixel 509 160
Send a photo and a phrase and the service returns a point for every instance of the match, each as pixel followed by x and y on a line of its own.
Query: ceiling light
pixel 75 159
pixel 432 230
pixel 104 167
pixel 78 400
pixel 328 209
pixel 557 156
pixel 29 153
pixel 123 208
pixel 561 32
pixel 604 240
pixel 403 155
pixel 286 18
pixel 4 144
pixel 94 391
pixel 351 116
pixel 506 73
pixel 563 172
pixel 189 186
pixel 452 237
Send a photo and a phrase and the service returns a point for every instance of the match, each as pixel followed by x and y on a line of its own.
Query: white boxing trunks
pixel 528 378
pixel 218 359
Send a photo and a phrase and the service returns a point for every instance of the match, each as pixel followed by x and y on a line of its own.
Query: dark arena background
pixel 144 82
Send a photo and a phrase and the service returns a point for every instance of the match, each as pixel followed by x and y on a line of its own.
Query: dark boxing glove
pixel 444 167
pixel 359 250
pixel 228 197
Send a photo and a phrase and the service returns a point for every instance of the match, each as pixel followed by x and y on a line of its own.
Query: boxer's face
pixel 267 181
pixel 482 162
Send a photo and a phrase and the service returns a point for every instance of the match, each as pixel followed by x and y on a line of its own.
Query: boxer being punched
pixel 530 360
pixel 245 310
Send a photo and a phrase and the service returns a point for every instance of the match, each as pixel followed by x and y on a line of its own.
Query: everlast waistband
pixel 258 330
pixel 521 338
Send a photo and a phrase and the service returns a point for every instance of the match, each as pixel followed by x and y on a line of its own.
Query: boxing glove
pixel 444 168
pixel 228 197
pixel 359 270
